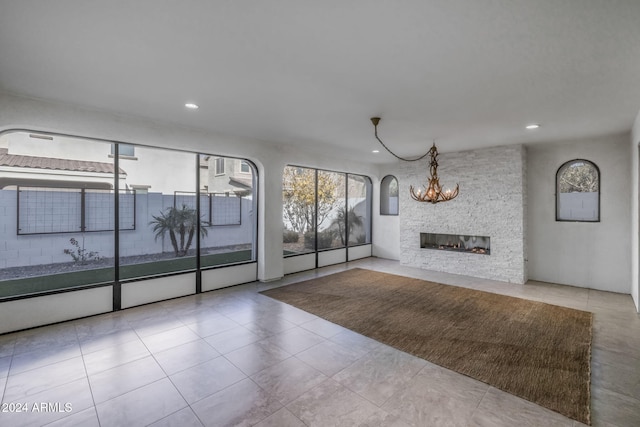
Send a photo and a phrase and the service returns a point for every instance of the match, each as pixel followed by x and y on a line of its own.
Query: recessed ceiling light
pixel 375 151
pixel 191 106
pixel 38 136
pixel 532 126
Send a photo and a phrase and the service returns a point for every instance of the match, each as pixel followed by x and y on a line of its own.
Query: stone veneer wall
pixel 492 202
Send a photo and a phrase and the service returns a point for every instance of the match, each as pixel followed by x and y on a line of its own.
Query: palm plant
pixel 181 226
pixel 351 217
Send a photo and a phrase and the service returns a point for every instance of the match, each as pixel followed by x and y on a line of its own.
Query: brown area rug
pixel 537 351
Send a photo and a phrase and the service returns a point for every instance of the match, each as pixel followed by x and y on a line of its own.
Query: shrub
pixel 290 236
pixel 79 254
pixel 179 224
pixel 325 239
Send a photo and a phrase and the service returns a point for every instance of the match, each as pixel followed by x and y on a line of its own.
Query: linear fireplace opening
pixel 456 243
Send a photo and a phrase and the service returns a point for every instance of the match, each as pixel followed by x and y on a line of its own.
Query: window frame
pixel 389 178
pixel 220 166
pixel 368 182
pixel 243 164
pixel 129 147
pixel 316 249
pixel 559 171
pixel 117 281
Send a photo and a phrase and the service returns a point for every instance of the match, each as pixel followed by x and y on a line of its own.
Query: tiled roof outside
pixel 245 182
pixel 34 162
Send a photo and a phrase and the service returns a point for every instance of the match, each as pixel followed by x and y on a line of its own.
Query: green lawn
pixel 52 282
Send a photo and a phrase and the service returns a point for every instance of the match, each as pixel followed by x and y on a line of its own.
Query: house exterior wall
pixel 586 254
pixel 140 170
pixel 219 183
pixel 20 143
pixel 491 203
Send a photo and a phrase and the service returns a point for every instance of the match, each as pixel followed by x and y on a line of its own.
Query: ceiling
pixel 467 73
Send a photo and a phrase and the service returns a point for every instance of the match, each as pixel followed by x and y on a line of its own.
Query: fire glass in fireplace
pixel 456 243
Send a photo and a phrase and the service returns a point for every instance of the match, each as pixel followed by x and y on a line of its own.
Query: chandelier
pixel 432 192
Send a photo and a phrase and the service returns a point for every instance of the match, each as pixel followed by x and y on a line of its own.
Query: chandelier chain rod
pixel 375 127
pixel 433 192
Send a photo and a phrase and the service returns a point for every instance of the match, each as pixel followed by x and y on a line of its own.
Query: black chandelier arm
pixel 375 127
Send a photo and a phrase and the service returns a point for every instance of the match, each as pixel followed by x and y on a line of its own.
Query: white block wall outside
pixel 492 202
pixel 38 249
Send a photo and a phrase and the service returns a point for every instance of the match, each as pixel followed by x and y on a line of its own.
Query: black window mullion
pixel 83 210
pixel 346 215
pixel 198 225
pixel 315 219
pixel 117 287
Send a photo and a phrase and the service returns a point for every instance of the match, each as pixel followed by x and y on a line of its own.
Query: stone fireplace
pixel 482 232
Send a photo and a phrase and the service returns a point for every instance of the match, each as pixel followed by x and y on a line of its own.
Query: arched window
pixel 389 195
pixel 324 210
pixel 578 191
pixel 127 216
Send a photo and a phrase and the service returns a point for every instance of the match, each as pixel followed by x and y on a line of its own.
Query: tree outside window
pixel 299 206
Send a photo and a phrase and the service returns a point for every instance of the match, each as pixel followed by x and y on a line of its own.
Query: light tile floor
pixel 235 357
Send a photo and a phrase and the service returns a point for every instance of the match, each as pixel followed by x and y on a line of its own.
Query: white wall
pixel 386 228
pixel 635 212
pixel 585 254
pixel 491 203
pixel 386 235
pixel 157 289
pixel 43 310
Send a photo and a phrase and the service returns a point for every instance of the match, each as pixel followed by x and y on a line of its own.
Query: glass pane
pixel 298 210
pixel 219 166
pixel 124 150
pixel 331 210
pixel 56 224
pixel 578 192
pixel 394 198
pixel 227 212
pixel 163 240
pixel 359 210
